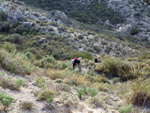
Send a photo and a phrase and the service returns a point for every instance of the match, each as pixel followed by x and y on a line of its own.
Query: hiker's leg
pixel 94 67
pixel 74 66
pixel 79 67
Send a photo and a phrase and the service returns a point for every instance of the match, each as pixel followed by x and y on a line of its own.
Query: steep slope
pixel 87 11
pixel 127 16
pixel 53 33
pixel 29 90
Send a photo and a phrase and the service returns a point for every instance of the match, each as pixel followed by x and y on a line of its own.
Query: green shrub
pixel 15 62
pixel 49 59
pixel 39 56
pixel 134 31
pixel 64 65
pixel 3 16
pixel 10 83
pixel 15 38
pixel 32 50
pixel 127 109
pixel 5 99
pixel 80 92
pixel 98 79
pixel 40 82
pixel 80 37
pixel 28 54
pixel 9 46
pixel 63 87
pixel 93 92
pixel 47 95
pixel 113 66
pixel 19 82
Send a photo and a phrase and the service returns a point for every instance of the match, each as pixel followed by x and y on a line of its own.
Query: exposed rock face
pixel 60 15
pixel 136 14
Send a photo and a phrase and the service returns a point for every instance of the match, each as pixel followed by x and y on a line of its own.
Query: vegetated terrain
pixel 35 71
pixel 87 12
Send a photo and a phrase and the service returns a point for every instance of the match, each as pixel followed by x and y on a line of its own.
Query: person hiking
pixel 96 60
pixel 75 62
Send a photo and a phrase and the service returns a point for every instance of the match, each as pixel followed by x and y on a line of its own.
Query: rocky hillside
pixel 127 16
pixel 53 33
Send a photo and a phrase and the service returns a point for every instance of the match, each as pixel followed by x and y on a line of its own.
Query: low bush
pixel 96 102
pixel 46 61
pixel 127 109
pixel 69 100
pixel 98 79
pixel 115 67
pixel 28 54
pixel 40 82
pixel 14 38
pixel 140 93
pixel 56 74
pixel 64 65
pixel 9 83
pixel 15 62
pixel 58 81
pixel 47 95
pixel 78 80
pixel 81 37
pixel 26 105
pixel 101 86
pixel 6 100
pixel 86 91
pixel 9 46
pixel 63 87
pixel 134 31
pixel 93 92
pixel 3 15
pixel 19 82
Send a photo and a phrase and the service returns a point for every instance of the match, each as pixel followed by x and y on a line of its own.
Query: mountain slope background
pixel 125 16
pixel 63 36
pixel 38 40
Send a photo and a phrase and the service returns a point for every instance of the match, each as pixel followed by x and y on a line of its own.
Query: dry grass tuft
pixel 26 105
pixel 55 74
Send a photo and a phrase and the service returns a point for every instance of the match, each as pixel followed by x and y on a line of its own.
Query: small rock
pixel 41 40
pixel 50 106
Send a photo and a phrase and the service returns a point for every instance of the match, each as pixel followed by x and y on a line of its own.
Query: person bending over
pixel 75 62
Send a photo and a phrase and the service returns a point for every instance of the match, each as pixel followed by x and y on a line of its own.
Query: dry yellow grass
pixel 55 74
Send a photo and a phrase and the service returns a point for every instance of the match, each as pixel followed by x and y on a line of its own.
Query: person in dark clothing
pixel 95 60
pixel 75 62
